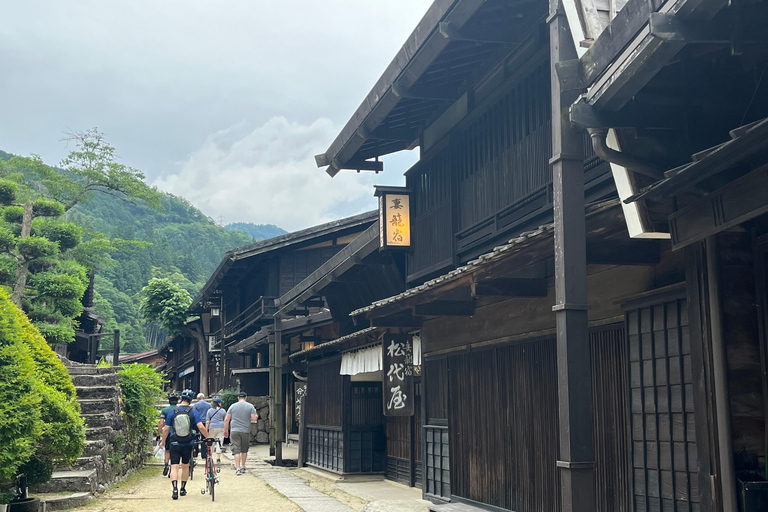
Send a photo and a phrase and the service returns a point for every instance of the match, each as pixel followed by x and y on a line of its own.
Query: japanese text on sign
pixel 397 219
pixel 398 375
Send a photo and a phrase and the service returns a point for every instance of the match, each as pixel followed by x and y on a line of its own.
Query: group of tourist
pixel 179 425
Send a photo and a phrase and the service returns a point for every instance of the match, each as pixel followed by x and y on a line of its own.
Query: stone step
pixel 104 433
pixel 104 419
pixel 94 392
pixel 99 405
pixel 61 501
pixel 83 380
pixel 96 448
pixel 90 462
pixel 89 369
pixel 83 480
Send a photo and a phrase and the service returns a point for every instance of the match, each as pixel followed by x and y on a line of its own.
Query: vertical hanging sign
pixel 397 375
pixel 394 217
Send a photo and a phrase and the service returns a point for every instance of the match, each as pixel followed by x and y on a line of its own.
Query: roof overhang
pixel 522 251
pixel 358 338
pixel 642 39
pixel 236 258
pixel 352 254
pixel 288 326
pixel 451 47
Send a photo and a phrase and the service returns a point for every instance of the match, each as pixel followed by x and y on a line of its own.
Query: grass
pixel 136 477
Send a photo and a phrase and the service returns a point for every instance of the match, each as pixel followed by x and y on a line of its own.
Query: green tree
pixel 39 256
pixel 95 168
pixel 165 301
pixel 168 303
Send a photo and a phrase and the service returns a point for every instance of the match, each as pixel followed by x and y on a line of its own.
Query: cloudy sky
pixel 224 102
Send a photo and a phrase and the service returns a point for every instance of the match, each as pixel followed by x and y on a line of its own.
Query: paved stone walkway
pixel 295 489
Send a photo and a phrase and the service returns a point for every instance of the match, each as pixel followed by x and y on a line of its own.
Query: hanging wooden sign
pixel 394 217
pixel 397 375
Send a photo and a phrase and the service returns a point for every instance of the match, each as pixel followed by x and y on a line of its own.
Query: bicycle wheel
pixel 211 477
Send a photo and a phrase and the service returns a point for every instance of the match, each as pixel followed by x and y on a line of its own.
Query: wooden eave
pixel 631 50
pixel 296 239
pixel 349 256
pixel 530 247
pixel 287 326
pixel 452 46
pixel 355 339
pixel 746 142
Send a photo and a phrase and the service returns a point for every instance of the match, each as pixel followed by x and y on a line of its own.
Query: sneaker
pixel 182 492
pixel 240 471
pixel 166 469
pixel 175 494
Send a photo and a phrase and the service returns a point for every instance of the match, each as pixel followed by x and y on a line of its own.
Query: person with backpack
pixel 179 436
pixel 214 422
pixel 173 399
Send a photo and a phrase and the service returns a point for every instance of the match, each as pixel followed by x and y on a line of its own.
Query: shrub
pixel 38 470
pixel 42 423
pixel 228 397
pixel 19 393
pixel 142 387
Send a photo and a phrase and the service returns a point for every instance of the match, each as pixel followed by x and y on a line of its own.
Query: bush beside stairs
pixel 99 396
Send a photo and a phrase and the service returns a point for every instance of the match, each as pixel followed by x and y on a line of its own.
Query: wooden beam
pixel 509 287
pixel 424 93
pixel 362 165
pixel 445 308
pixel 453 33
pixel 404 320
pixel 623 252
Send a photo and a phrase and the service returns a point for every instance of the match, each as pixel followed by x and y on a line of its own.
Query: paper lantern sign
pixel 394 217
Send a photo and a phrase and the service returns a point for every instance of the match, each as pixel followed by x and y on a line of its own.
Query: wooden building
pixel 587 266
pixel 237 304
pixel 344 429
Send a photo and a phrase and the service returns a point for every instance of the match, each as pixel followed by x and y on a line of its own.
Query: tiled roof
pixel 337 341
pixel 515 245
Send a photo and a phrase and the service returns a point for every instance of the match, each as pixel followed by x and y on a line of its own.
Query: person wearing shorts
pixel 181 451
pixel 214 422
pixel 239 418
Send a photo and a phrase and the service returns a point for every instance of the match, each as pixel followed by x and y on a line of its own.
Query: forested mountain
pixel 176 241
pixel 257 231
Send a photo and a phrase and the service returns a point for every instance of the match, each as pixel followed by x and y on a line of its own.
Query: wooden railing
pixel 262 309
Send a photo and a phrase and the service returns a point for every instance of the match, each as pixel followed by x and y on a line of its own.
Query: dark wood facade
pixel 242 294
pixel 667 405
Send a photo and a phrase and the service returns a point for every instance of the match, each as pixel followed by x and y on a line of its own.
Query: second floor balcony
pixel 251 319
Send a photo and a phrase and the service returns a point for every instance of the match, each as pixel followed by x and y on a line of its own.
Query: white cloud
pixel 268 175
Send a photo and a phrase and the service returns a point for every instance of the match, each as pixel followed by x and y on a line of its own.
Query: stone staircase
pixel 99 397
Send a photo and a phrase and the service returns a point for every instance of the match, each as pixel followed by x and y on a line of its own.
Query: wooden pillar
pixel 577 474
pixel 116 348
pixel 720 371
pixel 279 413
pixel 271 344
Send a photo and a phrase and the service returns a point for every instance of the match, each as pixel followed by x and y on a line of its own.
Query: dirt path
pixel 148 491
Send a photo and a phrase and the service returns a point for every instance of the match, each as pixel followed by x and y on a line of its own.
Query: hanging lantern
pixel 394 217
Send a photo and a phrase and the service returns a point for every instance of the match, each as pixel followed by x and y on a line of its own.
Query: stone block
pixel 262 438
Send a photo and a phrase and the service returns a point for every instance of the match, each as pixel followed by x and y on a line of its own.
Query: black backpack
pixel 182 425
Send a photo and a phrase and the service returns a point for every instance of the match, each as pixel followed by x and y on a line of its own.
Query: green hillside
pixel 178 242
pixel 257 231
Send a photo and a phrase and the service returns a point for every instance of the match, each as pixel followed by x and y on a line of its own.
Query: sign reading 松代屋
pixel 398 375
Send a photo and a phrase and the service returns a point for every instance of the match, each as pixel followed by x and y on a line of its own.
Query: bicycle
pixel 210 469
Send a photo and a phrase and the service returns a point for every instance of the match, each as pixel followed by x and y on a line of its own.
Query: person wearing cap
pixel 214 422
pixel 239 418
